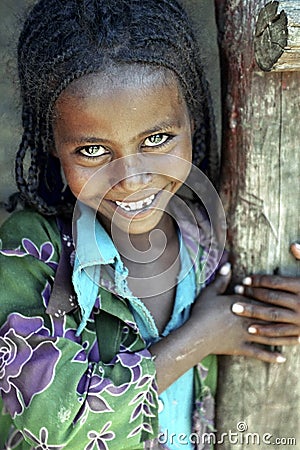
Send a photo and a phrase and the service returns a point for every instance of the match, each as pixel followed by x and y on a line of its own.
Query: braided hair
pixel 64 40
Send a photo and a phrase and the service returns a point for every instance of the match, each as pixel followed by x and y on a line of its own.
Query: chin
pixel 134 225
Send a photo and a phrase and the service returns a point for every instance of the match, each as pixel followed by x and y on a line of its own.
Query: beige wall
pixel 11 13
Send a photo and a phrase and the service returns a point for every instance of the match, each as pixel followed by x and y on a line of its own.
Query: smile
pixel 135 206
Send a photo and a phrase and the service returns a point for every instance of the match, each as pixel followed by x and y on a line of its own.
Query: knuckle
pixel 249 291
pixel 268 280
pixel 259 280
pixel 251 310
pixel 274 314
pixel 256 280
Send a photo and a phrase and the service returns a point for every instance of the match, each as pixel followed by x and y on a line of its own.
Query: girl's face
pixel 119 140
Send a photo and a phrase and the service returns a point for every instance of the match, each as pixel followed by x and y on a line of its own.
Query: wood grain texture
pixel 261 195
pixel 277 36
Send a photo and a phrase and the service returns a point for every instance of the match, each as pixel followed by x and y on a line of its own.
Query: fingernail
pixel 247 281
pixel 237 308
pixel 238 289
pixel 299 339
pixel 280 359
pixel 225 269
pixel 297 245
pixel 252 330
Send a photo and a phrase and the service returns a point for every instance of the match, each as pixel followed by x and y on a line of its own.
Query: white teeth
pixel 134 206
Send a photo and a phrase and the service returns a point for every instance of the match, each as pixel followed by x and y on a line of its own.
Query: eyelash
pixel 91 156
pixel 169 137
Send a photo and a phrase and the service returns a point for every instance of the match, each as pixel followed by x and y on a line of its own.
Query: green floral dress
pixel 56 390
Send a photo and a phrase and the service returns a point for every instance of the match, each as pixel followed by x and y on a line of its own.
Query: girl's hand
pixel 280 297
pixel 228 333
pixel 213 328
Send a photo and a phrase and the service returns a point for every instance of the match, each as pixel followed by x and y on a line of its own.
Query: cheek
pixel 182 164
pixel 87 184
pixel 76 179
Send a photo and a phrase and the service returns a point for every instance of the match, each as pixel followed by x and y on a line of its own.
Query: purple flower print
pixel 87 352
pixel 143 427
pixel 98 440
pixel 144 400
pixel 132 361
pixel 28 358
pixel 44 253
pixel 90 387
pixel 41 443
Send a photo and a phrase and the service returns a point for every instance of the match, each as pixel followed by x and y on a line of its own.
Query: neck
pixel 147 246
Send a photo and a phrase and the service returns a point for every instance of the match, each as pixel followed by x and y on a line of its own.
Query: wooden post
pixel 277 36
pixel 261 195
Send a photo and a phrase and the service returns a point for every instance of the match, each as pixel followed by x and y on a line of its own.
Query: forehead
pixel 131 76
pixel 120 105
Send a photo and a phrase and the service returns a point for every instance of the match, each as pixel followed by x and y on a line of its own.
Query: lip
pixel 136 205
pixel 139 213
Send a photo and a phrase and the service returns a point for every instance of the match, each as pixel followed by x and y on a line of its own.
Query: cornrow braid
pixel 62 41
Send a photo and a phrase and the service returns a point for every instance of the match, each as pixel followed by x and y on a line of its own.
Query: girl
pixel 98 349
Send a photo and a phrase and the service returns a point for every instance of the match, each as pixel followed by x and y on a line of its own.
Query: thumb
pixel 222 279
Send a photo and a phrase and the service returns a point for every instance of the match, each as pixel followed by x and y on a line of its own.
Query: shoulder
pixel 191 218
pixel 29 254
pixel 27 224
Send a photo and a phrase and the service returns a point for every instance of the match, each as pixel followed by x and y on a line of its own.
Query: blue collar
pixel 94 248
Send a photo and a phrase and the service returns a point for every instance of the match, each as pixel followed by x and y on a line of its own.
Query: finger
pixel 263 355
pixel 279 341
pixel 275 330
pixel 222 279
pixel 274 297
pixel 295 250
pixel 268 314
pixel 277 282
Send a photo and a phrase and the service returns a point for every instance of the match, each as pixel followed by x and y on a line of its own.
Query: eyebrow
pixel 164 126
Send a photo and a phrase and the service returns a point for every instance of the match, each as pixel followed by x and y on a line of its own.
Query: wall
pixel 11 13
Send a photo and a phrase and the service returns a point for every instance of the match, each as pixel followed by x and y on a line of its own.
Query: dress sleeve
pixel 53 383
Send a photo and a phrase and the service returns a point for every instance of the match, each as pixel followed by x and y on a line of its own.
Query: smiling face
pixel 120 139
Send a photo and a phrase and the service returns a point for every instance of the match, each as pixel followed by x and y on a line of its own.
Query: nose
pixel 133 173
pixel 134 183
